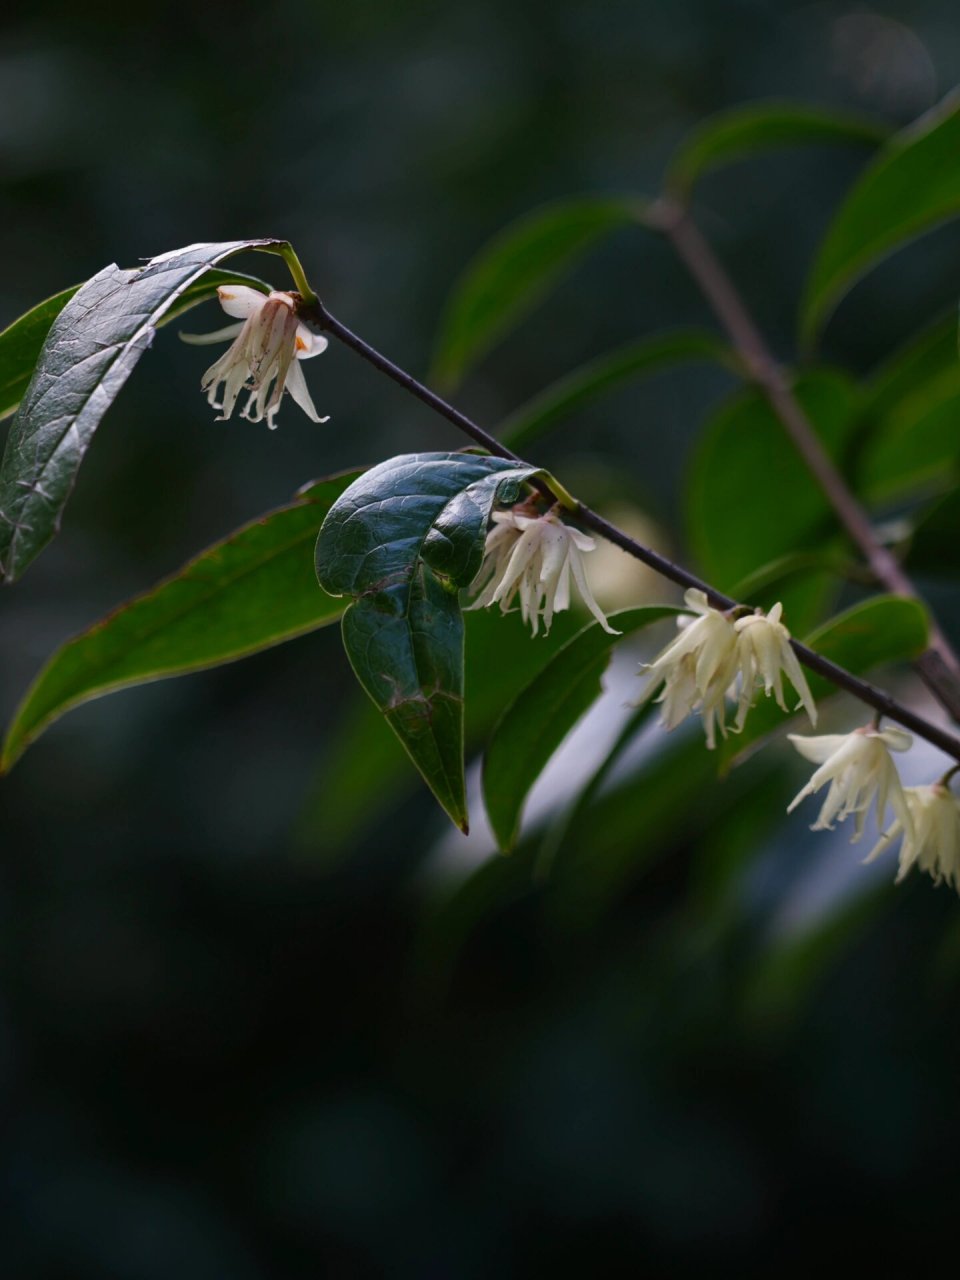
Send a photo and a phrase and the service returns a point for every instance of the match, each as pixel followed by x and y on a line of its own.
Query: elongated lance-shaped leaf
pixel 539 719
pixel 22 341
pixel 762 126
pixel 92 347
pixel 911 187
pixel 249 592
pixel 20 346
pixel 514 272
pixel 402 541
pixel 605 374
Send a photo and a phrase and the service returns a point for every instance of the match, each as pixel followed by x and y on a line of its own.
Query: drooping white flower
pixel 696 669
pixel 264 358
pixel 860 770
pixel 532 557
pixel 764 656
pixel 934 846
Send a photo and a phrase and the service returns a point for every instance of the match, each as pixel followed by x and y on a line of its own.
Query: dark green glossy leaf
pixel 751 500
pixel 22 341
pixel 20 346
pixel 514 272
pixel 367 772
pixel 599 377
pixel 538 720
pixel 762 126
pixel 254 589
pixel 882 630
pixel 92 347
pixel 402 541
pixel 912 186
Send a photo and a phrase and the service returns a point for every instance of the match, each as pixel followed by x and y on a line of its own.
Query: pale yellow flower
pixel 934 845
pixel 764 656
pixel 532 558
pixel 264 358
pixel 860 770
pixel 696 669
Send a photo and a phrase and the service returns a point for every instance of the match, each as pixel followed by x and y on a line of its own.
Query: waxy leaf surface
pixel 92 346
pixel 402 541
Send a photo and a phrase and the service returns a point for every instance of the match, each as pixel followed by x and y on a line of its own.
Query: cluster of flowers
pixel 715 662
pixel 719 661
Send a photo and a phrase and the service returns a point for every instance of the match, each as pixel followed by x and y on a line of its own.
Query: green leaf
pixel 878 631
pixel 593 380
pixel 923 359
pixel 916 445
pixel 538 720
pixel 911 187
pixel 365 772
pixel 402 541
pixel 254 589
pixel 750 499
pixel 514 272
pixel 22 341
pixel 20 345
pixel 762 126
pixel 90 350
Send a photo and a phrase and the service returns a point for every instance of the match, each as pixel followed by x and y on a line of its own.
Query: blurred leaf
pixel 916 444
pixel 762 126
pixel 253 590
pixel 20 345
pixel 593 380
pixel 91 348
pixel 22 341
pixel 513 273
pixel 756 586
pixel 365 771
pixel 750 499
pixel 401 541
pixel 911 187
pixel 796 965
pixel 538 720
pixel 879 631
pixel 935 546
pixel 923 359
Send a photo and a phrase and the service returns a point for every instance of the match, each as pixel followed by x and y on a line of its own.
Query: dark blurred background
pixel 245 1033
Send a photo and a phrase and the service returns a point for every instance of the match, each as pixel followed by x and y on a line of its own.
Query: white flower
pixel 860 769
pixel 934 845
pixel 764 656
pixel 697 668
pixel 532 557
pixel 264 357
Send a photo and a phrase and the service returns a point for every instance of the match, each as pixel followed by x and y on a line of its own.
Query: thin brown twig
pixel 869 694
pixel 938 666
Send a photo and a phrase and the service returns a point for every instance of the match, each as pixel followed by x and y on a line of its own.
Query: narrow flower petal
pixel 218 335
pixel 240 300
pixel 297 386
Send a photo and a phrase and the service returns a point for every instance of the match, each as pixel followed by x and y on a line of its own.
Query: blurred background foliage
pixel 262 1015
